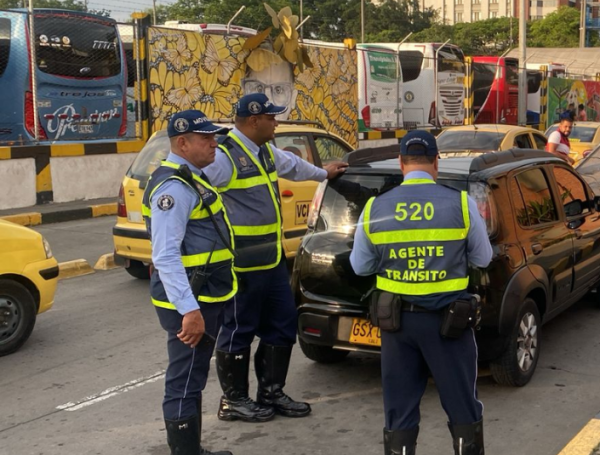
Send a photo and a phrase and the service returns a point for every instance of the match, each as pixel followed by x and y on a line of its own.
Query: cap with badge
pixel 192 121
pixel 257 104
pixel 419 143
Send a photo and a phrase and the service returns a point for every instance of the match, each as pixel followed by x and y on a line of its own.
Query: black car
pixel 543 220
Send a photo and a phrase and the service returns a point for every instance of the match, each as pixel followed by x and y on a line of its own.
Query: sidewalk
pixel 59 212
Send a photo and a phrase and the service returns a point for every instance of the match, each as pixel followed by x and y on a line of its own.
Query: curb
pixel 106 262
pixel 79 267
pixel 586 440
pixel 36 218
pixel 74 268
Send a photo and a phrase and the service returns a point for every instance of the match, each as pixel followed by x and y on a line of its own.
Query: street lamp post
pixel 582 5
pixel 522 118
pixel 362 21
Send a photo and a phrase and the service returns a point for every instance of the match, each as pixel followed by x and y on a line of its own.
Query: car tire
pixel 322 354
pixel 517 364
pixel 138 270
pixel 18 312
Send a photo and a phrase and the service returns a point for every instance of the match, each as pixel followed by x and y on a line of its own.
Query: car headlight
pixel 47 248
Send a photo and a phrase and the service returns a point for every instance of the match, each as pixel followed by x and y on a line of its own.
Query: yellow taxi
pixel 461 140
pixel 28 276
pixel 305 139
pixel 583 138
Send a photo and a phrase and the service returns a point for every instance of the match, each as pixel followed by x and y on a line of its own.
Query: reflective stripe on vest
pixel 421 260
pixel 252 202
pixel 200 242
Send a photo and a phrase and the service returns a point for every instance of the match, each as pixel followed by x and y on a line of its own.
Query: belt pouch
pixel 457 317
pixel 385 311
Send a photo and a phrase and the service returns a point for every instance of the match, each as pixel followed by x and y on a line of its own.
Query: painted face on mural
pixel 277 82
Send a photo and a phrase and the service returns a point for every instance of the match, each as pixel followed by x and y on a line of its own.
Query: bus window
pixel 76 48
pixel 512 72
pixel 4 44
pixel 412 62
pixel 451 60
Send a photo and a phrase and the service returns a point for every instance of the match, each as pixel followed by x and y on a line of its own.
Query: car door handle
pixel 287 193
pixel 536 248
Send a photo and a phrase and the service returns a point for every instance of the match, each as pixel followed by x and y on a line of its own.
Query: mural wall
pixel 580 97
pixel 189 70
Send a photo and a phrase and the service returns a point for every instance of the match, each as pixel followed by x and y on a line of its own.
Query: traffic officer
pixel 245 171
pixel 434 231
pixel 193 277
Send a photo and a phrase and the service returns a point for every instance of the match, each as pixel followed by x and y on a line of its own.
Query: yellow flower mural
pixel 189 70
pixel 328 92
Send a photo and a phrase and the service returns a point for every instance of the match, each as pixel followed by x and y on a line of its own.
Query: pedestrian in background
pixel 581 114
pixel 246 170
pixel 435 232
pixel 193 275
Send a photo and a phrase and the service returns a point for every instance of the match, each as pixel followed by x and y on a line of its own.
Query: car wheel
pixel 517 364
pixel 322 354
pixel 138 270
pixel 17 316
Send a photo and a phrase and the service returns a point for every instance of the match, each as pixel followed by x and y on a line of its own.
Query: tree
pixel 73 5
pixel 558 29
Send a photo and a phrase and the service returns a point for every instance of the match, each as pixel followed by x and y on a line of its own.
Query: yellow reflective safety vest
pixel 253 206
pixel 202 246
pixel 420 233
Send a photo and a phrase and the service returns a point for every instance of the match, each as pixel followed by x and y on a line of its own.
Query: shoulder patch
pixel 165 202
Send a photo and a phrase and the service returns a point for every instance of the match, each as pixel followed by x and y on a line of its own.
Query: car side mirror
pixel 597 203
pixel 574 208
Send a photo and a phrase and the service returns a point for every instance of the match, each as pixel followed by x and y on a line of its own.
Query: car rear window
pixel 578 133
pixel 469 140
pixel 149 158
pixel 346 197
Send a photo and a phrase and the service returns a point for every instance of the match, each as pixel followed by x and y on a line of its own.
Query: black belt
pixel 412 308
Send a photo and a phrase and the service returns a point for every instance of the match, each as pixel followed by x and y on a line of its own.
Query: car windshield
pixel 149 158
pixel 578 133
pixel 346 197
pixel 469 140
pixel 589 169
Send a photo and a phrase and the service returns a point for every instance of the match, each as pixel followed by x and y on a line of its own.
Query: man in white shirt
pixel 558 141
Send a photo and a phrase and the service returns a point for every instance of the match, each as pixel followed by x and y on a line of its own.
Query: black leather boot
pixel 400 442
pixel 271 364
pixel 183 436
pixel 236 404
pixel 468 439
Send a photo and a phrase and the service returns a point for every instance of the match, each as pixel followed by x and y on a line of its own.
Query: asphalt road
pixel 89 381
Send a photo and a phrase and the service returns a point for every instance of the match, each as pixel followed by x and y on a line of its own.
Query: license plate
pixel 86 129
pixel 135 217
pixel 302 208
pixel 363 332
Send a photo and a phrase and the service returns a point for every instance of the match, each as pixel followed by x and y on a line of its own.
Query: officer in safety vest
pixel 245 172
pixel 418 239
pixel 193 277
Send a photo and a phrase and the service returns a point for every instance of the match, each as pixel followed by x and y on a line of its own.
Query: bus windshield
pixel 72 46
pixel 450 59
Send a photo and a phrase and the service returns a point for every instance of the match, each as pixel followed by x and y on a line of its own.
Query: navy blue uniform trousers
pixel 406 358
pixel 188 368
pixel 264 306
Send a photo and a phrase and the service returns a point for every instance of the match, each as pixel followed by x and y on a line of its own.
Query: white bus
pixel 433 90
pixel 534 97
pixel 379 87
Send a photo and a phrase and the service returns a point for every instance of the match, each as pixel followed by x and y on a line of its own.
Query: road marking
pixel 586 441
pixel 111 392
